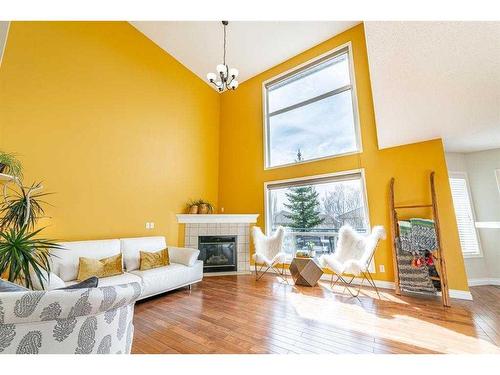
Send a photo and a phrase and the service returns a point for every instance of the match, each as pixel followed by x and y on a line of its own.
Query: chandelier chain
pixel 224 57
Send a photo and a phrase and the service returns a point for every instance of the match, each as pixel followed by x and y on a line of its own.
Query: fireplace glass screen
pixel 218 253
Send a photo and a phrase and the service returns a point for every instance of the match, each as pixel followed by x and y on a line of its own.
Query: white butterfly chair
pixel 268 252
pixel 353 256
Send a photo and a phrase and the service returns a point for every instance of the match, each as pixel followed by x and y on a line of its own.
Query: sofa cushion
pixel 65 262
pixel 170 277
pixel 124 278
pixel 183 255
pixel 91 282
pixel 131 247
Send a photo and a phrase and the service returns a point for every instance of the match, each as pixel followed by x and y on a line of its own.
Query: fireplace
pixel 236 226
pixel 218 253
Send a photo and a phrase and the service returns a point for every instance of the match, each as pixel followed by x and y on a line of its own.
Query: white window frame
pixel 465 177
pixel 296 70
pixel 361 172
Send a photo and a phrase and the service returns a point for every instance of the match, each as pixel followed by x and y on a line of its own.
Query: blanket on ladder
pixel 416 236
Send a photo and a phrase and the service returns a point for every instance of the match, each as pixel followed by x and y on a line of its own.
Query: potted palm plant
pixel 9 164
pixel 23 255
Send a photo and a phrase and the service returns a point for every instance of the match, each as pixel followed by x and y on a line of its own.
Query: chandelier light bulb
pixel 221 69
pixel 211 77
pixel 234 85
pixel 233 72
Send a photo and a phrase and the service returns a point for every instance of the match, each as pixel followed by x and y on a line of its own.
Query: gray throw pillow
pixel 7 286
pixel 91 282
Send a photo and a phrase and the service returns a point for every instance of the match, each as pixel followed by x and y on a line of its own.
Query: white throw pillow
pixel 51 282
pixel 183 255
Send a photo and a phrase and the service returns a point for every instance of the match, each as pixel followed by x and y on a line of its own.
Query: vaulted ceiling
pixel 252 47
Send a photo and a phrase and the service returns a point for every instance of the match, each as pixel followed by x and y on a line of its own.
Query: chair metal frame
pixel 281 274
pixel 347 284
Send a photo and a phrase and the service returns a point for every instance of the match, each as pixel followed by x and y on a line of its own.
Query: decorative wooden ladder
pixel 438 254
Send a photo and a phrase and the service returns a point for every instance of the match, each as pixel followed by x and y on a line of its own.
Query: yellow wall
pixel 123 134
pixel 120 131
pixel 242 176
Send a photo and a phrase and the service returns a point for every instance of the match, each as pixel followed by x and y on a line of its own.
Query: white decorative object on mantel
pixel 217 218
pixel 221 225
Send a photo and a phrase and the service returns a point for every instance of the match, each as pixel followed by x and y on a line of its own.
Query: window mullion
pixel 311 100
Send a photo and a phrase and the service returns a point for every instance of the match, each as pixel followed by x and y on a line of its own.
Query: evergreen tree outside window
pixel 304 208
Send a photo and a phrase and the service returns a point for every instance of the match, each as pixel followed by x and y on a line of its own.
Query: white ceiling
pixel 252 47
pixel 436 79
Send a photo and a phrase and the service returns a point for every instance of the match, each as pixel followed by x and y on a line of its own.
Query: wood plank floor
pixel 236 314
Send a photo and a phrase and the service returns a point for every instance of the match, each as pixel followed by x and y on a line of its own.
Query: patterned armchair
pixel 78 321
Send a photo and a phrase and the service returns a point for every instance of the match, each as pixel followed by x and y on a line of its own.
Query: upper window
pixel 311 113
pixel 465 215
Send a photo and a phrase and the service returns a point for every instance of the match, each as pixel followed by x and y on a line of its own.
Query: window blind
pixel 465 218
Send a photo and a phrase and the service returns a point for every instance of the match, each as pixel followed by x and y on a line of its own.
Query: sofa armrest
pixel 183 255
pixel 36 306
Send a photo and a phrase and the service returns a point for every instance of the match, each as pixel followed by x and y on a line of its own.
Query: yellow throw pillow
pixel 105 267
pixel 154 260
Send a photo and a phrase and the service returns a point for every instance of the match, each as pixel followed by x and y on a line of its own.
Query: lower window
pixel 312 210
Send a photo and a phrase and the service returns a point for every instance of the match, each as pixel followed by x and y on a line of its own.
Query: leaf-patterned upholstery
pixel 79 321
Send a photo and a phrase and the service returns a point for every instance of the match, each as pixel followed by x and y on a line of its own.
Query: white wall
pixel 480 168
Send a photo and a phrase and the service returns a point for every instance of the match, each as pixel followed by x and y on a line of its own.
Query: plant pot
pixel 193 209
pixel 2 167
pixel 203 208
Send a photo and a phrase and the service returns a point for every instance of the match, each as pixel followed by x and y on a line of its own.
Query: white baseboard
pixel 231 273
pixel 379 283
pixel 460 294
pixel 484 281
pixel 454 293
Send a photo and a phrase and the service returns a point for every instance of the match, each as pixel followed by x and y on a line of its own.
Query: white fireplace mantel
pixel 217 218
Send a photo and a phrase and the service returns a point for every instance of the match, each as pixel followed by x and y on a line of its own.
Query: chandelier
pixel 225 79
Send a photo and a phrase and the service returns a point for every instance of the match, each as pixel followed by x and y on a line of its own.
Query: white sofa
pixel 184 269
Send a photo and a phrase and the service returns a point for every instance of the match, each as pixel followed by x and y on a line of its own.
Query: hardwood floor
pixel 236 314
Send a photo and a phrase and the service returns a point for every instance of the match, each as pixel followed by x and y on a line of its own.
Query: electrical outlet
pixel 381 268
pixel 147 226
pixel 151 225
